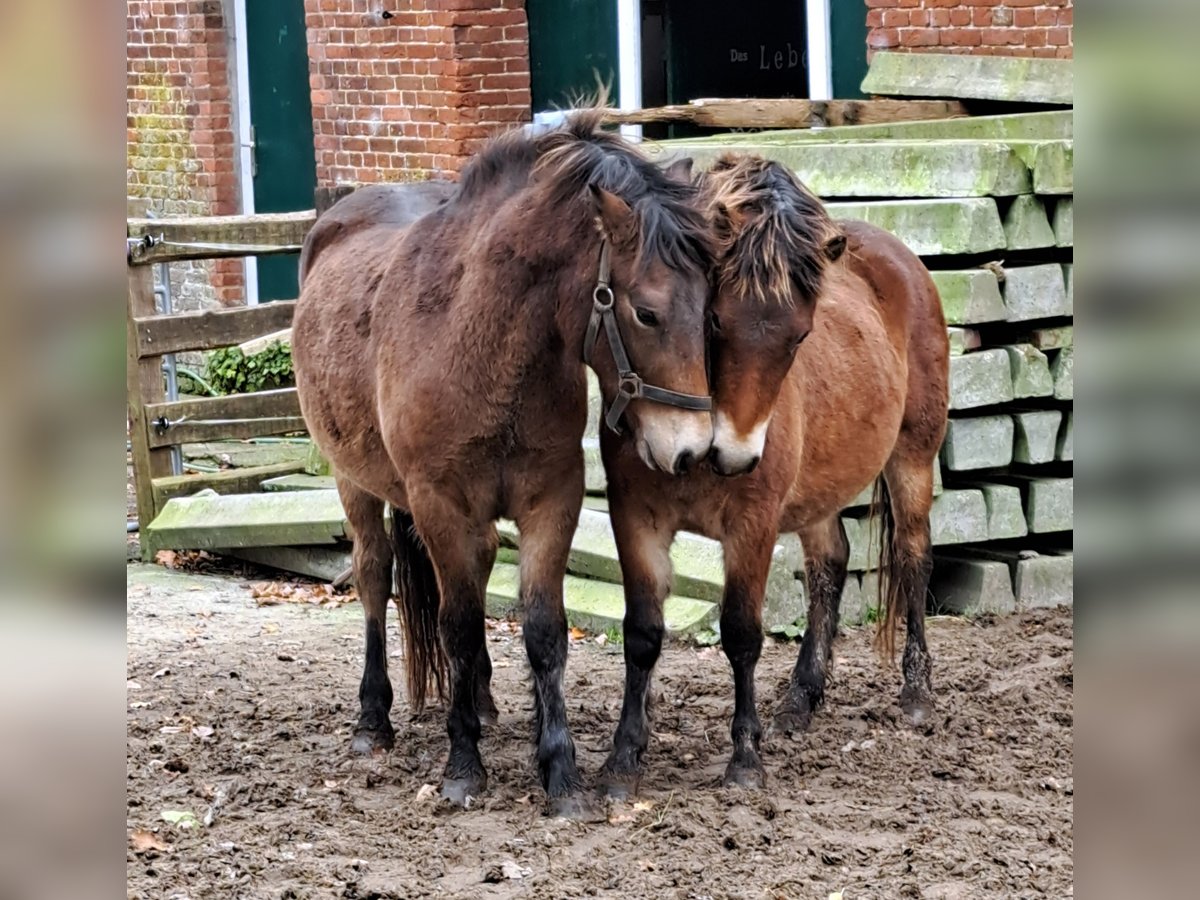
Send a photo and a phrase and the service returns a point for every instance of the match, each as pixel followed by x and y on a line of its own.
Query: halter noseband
pixel 630 385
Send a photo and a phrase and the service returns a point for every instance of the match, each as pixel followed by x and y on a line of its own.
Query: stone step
pixel 982 378
pixel 1039 580
pixel 936 227
pixel 1036 433
pixel 1030 370
pixel 1053 167
pixel 958 516
pixel 982 442
pixel 1062 367
pixel 1049 504
pixel 963 340
pixel 325 563
pixel 1064 223
pixel 970 296
pixel 1038 126
pixel 597 606
pixel 898 168
pixel 208 521
pixel 1052 338
pixel 300 482
pixel 1035 292
pixel 1011 79
pixel 971 587
pixel 1065 448
pixel 1005 514
pixel 1027 224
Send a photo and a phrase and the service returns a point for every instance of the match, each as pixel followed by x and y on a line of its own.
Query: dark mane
pixel 771 230
pixel 578 153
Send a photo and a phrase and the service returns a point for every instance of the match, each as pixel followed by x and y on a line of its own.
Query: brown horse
pixel 805 429
pixel 441 370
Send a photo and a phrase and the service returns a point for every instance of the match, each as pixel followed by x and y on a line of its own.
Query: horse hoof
pixel 462 792
pixel 576 807
pixel 917 707
pixel 750 778
pixel 790 723
pixel 367 741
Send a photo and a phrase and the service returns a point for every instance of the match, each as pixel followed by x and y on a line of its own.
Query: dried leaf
pixel 202 731
pixel 577 634
pixel 427 793
pixel 643 805
pixel 148 842
pixel 602 639
pixel 161 672
pixel 166 558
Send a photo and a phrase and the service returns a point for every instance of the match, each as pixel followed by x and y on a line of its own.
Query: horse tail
pixel 419 600
pixel 890 580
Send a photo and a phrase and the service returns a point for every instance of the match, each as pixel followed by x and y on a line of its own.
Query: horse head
pixel 774 241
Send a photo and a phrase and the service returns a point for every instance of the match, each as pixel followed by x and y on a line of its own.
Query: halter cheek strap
pixel 630 385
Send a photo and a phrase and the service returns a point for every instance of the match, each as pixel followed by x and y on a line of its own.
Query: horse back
pixel 386 207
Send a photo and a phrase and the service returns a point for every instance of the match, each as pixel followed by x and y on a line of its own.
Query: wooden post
pixel 143 384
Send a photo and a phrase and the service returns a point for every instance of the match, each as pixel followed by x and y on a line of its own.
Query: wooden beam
pixel 239 417
pixel 143 386
pixel 791 113
pixel 211 329
pixel 216 237
pixel 230 481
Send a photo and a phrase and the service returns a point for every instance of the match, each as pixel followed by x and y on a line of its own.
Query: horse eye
pixel 714 323
pixel 796 342
pixel 646 317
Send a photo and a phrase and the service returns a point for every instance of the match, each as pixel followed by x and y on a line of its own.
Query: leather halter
pixel 630 385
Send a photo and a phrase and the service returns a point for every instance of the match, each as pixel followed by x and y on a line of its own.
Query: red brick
pixel 882 38
pixel 896 18
pixel 918 37
pixel 960 37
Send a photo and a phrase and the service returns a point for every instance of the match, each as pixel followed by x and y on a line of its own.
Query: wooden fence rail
pixel 155 425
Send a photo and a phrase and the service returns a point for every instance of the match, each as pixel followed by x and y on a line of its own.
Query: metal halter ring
pixel 630 385
pixel 599 291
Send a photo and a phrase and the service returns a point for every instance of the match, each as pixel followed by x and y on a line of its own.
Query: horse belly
pixel 334 379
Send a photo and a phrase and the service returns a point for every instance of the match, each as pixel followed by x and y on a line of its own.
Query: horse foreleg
pixel 747 560
pixel 826 552
pixel 372 559
pixel 547 527
pixel 646 573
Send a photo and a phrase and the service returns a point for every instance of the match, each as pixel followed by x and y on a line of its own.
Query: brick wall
pixel 412 95
pixel 996 27
pixel 180 139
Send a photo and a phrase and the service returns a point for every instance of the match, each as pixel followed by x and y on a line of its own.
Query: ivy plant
pixel 232 372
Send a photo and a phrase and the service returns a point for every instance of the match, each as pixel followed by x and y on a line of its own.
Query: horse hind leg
pixel 905 567
pixel 372 560
pixel 826 554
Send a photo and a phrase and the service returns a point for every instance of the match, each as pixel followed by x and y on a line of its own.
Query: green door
pixel 285 175
pixel 848 48
pixel 754 48
pixel 571 42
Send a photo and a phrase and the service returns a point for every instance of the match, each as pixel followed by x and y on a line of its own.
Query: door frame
pixel 244 137
pixel 629 54
pixel 820 53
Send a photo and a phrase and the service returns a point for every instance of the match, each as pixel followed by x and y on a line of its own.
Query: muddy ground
pixel 240 716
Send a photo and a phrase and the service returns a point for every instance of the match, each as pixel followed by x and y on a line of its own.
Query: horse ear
pixel 613 215
pixel 835 247
pixel 681 169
